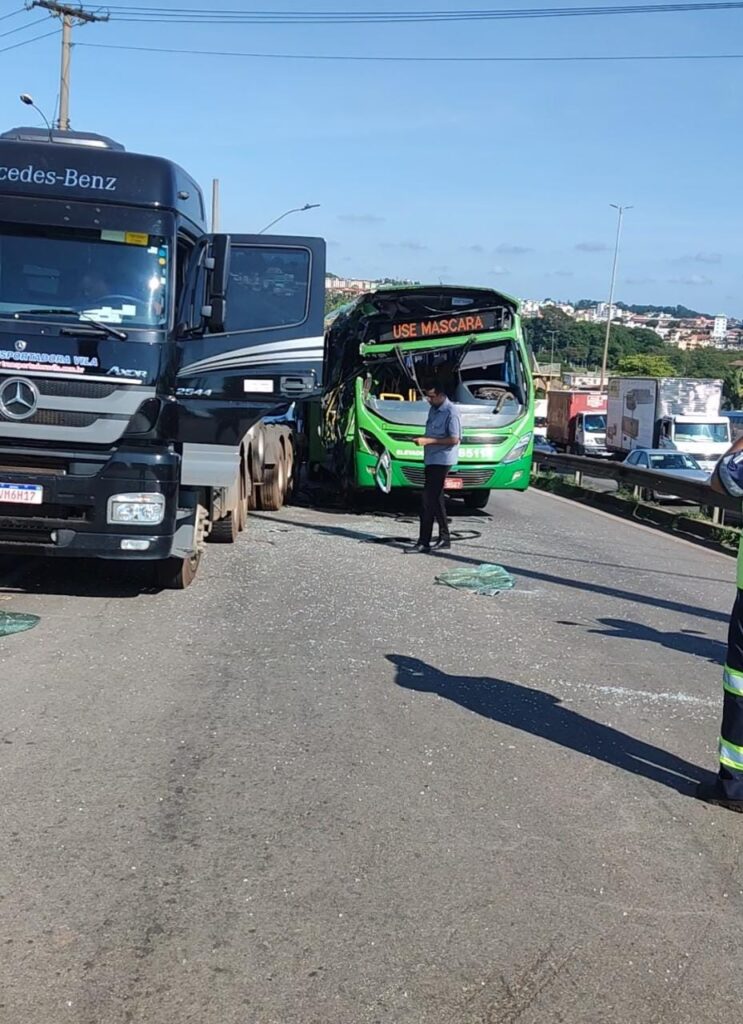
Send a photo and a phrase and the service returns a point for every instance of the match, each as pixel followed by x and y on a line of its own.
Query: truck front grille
pixel 60 418
pixel 75 388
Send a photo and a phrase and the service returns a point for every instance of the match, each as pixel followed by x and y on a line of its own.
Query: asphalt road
pixel 318 788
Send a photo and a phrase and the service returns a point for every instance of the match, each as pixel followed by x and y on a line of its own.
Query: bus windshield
pixel 114 277
pixel 487 375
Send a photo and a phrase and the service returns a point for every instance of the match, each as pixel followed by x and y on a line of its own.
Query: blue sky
pixel 489 174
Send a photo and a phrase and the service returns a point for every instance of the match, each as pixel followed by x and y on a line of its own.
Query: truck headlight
pixel 136 509
pixel 518 449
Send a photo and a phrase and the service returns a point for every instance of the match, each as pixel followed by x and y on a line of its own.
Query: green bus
pixel 380 352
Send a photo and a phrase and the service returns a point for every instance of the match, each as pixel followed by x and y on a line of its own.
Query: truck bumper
pixel 72 518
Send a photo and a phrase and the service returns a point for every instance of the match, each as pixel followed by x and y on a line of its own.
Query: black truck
pixel 149 370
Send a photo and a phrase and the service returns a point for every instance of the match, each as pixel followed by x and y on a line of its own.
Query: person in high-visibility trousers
pixel 727 789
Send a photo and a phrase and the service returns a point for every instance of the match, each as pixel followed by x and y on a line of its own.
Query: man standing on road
pixel 440 445
pixel 727 790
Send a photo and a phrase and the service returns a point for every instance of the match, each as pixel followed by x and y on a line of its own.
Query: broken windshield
pixel 481 376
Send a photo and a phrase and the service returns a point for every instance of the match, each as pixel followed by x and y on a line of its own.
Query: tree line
pixel 632 352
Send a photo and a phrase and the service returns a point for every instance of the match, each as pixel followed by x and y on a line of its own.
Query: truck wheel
pixel 476 499
pixel 176 573
pixel 272 490
pixel 242 510
pixel 226 529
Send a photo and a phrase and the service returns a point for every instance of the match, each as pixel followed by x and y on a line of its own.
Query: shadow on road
pixel 402 505
pixel 541 714
pixel 76 577
pixel 687 641
pixel 653 600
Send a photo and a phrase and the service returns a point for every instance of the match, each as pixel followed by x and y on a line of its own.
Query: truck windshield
pixel 114 277
pixel 717 432
pixel 595 423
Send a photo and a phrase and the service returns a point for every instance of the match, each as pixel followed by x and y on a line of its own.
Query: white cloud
pixel 361 218
pixel 512 250
pixel 593 247
pixel 693 280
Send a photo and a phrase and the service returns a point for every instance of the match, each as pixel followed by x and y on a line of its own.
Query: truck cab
pixel 141 357
pixel 707 438
pixel 590 434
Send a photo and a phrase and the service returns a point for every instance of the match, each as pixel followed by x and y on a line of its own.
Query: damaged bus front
pixel 382 350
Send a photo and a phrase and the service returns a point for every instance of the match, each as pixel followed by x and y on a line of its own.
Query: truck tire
pixel 242 507
pixel 176 573
pixel 272 490
pixel 476 499
pixel 290 468
pixel 226 529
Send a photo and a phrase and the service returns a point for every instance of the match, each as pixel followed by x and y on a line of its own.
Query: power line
pixel 596 58
pixel 13 14
pixel 205 16
pixel 14 46
pixel 22 28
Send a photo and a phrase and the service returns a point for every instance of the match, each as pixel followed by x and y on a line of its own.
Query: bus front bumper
pixel 473 476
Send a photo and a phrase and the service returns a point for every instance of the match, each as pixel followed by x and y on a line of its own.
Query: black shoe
pixel 418 549
pixel 711 793
pixel 441 545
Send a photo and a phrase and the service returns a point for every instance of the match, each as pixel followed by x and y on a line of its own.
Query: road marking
pixel 627 695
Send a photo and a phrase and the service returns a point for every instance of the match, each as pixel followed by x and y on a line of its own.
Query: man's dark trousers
pixel 433 506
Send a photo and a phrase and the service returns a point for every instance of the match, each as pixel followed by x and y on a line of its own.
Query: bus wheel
pixel 272 490
pixel 176 573
pixel 476 499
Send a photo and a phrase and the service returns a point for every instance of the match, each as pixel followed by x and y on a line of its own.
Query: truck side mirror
pixel 218 265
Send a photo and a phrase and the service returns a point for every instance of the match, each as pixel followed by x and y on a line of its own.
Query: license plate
pixel 21 494
pixel 453 483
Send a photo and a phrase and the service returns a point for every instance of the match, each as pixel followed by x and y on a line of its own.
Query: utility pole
pixel 215 205
pixel 69 15
pixel 620 214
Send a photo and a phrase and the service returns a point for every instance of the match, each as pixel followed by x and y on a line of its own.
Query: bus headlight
pixel 370 442
pixel 136 509
pixel 518 450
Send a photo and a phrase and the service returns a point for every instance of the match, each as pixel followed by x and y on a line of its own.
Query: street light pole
pixel 620 214
pixel 552 351
pixel 297 209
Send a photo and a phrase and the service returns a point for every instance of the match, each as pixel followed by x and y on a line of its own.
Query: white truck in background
pixel 678 413
pixel 540 417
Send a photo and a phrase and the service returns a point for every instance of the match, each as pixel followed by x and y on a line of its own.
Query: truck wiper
pixel 45 310
pixel 92 327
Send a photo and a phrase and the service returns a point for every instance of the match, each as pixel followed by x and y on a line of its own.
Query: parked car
pixel 542 446
pixel 661 460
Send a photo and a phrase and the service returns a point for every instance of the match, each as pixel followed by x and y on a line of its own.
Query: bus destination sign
pixel 420 330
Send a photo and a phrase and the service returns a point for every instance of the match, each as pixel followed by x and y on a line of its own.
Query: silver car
pixel 661 460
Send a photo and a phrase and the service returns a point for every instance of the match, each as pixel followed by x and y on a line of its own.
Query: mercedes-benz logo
pixel 20 345
pixel 18 399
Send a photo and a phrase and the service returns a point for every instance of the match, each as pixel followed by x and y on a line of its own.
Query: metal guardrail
pixel 689 490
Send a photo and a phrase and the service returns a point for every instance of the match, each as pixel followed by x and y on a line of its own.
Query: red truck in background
pixel 576 422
